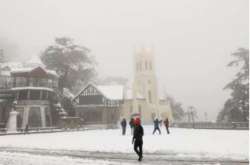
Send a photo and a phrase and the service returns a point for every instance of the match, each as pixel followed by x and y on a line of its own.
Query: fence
pixel 211 125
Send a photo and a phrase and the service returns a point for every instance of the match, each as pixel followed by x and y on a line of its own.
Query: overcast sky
pixel 192 39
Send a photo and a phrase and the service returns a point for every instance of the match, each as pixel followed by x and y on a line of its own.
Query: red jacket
pixel 166 122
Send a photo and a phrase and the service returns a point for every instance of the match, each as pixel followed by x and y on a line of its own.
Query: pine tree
pixel 236 107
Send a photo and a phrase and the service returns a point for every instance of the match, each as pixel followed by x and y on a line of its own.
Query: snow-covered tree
pixel 236 107
pixel 2 58
pixel 72 62
pixel 176 107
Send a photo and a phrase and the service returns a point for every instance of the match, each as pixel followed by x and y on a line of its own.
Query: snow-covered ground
pixel 180 144
pixel 7 158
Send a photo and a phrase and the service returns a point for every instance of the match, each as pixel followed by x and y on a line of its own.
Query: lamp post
pixel 12 122
pixel 192 113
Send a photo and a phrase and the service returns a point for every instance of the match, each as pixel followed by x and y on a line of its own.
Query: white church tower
pixel 145 84
pixel 143 98
pixel 146 101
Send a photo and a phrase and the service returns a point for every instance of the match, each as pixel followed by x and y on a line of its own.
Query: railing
pixel 211 125
pixel 31 130
pixel 33 102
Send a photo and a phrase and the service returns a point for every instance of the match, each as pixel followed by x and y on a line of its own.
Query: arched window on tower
pixel 150 65
pixel 139 109
pixel 131 109
pixel 146 65
pixel 140 66
pixel 149 97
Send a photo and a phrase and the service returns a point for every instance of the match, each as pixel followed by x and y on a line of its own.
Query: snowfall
pixel 100 146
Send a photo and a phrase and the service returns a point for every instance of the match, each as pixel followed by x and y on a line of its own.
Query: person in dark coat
pixel 156 126
pixel 166 123
pixel 124 125
pixel 26 130
pixel 131 124
pixel 137 138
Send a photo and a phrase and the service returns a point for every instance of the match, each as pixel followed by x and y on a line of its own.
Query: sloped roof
pixel 28 70
pixel 113 92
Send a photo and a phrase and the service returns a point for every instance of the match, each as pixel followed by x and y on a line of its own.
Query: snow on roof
pixel 67 93
pixel 114 92
pixel 12 65
pixel 23 70
pixel 32 88
pixel 5 73
pixel 52 72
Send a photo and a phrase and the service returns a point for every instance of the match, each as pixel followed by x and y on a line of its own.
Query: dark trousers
pixel 167 130
pixel 138 144
pixel 157 128
pixel 123 130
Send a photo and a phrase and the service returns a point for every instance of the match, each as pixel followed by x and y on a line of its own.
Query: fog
pixel 192 40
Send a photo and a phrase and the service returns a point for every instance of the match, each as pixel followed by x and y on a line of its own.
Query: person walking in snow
pixel 131 124
pixel 166 123
pixel 156 126
pixel 124 125
pixel 137 139
pixel 26 130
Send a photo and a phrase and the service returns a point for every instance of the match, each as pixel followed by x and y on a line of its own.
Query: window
pixel 50 83
pixel 34 94
pixel 131 109
pixel 140 66
pixel 35 117
pixel 47 117
pixel 44 95
pixel 55 83
pixel 23 95
pixel 153 115
pixel 33 82
pixel 150 65
pixel 43 82
pixel 146 65
pixel 20 111
pixel 21 81
pixel 149 97
pixel 139 109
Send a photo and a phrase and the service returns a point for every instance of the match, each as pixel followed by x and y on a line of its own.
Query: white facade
pixel 144 98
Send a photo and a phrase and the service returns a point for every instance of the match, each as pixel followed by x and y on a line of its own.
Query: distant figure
pixel 124 125
pixel 166 123
pixel 137 138
pixel 156 126
pixel 26 130
pixel 131 124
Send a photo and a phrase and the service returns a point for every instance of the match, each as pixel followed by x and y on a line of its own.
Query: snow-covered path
pixel 21 156
pixel 207 146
